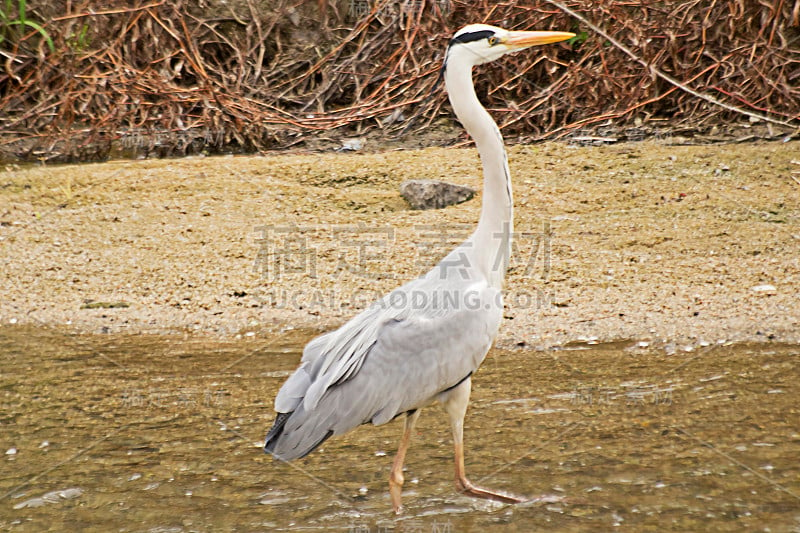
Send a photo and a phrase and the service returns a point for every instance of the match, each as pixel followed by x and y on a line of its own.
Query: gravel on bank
pixel 659 243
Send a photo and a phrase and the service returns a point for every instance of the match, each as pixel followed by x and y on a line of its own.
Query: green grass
pixel 7 24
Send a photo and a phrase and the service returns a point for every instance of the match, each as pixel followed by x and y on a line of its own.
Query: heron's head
pixel 480 43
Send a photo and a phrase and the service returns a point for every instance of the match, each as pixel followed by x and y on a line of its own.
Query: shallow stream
pixel 159 433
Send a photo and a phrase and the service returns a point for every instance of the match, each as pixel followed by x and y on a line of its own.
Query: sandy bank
pixel 646 241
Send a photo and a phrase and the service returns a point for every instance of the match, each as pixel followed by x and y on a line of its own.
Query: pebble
pixel 763 288
pixel 351 145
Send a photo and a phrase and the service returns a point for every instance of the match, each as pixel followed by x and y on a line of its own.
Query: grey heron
pixel 422 342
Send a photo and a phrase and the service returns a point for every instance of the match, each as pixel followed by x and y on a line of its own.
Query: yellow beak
pixel 524 39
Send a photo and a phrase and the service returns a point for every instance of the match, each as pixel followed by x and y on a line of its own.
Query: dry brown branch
pixel 168 78
pixel 673 81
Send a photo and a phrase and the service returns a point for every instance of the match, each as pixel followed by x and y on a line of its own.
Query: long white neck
pixel 492 238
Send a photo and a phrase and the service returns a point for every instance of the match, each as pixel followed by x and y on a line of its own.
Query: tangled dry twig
pixel 175 77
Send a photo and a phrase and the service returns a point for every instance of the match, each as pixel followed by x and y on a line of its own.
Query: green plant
pixel 7 23
pixel 579 39
pixel 79 41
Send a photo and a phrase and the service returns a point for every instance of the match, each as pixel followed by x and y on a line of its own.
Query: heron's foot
pixel 396 490
pixel 464 486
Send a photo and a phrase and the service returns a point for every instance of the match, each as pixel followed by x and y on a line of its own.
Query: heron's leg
pixel 396 477
pixel 455 402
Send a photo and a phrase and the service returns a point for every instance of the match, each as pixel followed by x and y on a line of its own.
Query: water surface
pixel 154 433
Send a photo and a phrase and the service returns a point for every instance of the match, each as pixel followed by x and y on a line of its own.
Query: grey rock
pixel 434 194
pixel 351 145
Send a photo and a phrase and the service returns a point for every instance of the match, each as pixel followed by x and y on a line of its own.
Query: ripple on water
pixel 135 415
pixel 55 496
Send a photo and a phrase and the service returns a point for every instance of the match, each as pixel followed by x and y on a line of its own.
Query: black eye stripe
pixel 471 36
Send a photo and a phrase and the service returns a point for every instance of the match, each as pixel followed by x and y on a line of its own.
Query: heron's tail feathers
pixel 286 446
pixel 275 431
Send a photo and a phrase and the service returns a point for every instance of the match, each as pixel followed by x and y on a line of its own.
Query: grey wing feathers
pixel 380 364
pixel 345 352
pixel 294 390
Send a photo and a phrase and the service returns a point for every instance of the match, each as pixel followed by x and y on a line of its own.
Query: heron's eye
pixel 493 40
